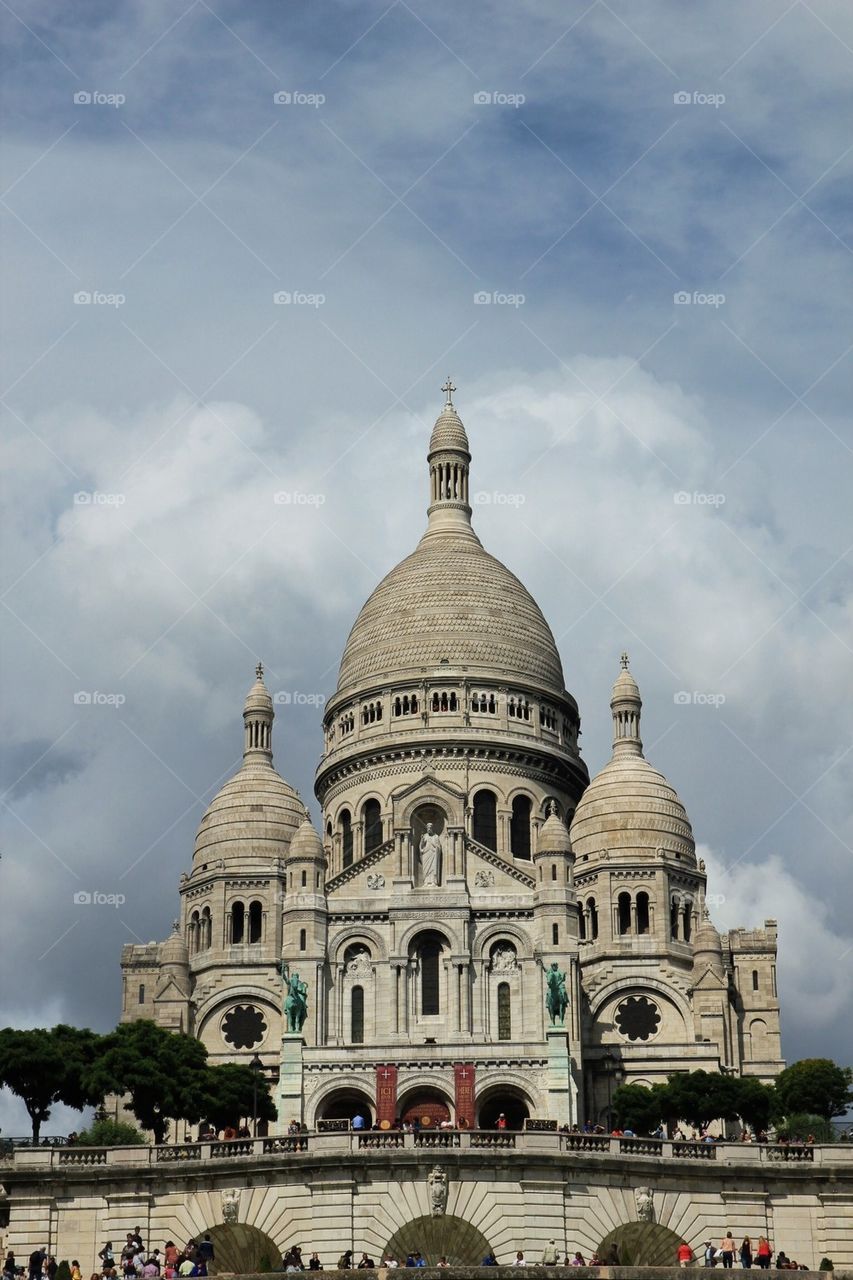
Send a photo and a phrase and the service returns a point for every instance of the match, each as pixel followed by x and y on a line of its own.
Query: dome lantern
pixel 449 461
pixel 625 705
pixel 258 716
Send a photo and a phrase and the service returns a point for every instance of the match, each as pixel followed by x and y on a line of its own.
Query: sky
pixel 244 245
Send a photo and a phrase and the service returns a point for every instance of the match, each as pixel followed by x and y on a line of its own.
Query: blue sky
pixel 628 153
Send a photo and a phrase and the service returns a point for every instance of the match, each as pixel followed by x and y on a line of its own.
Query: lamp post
pixel 609 1065
pixel 258 1068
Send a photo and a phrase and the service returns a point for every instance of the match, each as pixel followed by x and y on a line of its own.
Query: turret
pixel 305 920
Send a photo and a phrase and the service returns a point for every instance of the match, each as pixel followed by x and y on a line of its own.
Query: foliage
pixel 162 1071
pixel 43 1067
pixel 110 1133
pixel 231 1092
pixel 798 1128
pixel 701 1096
pixel 826 1264
pixel 756 1102
pixel 639 1108
pixel 816 1086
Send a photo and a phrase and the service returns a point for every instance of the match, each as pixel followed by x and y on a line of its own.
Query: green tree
pixel 43 1067
pixel 799 1128
pixel 109 1133
pixel 755 1102
pixel 815 1086
pixel 164 1072
pixel 231 1092
pixel 639 1108
pixel 701 1096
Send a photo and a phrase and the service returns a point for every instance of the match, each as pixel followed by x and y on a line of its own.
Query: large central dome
pixel 450 602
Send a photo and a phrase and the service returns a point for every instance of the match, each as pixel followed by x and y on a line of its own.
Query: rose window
pixel 243 1026
pixel 637 1018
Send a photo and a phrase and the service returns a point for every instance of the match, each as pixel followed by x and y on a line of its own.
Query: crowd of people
pixel 729 1252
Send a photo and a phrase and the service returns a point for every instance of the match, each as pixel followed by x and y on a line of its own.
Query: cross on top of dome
pixel 448 389
pixel 624 661
pixel 259 671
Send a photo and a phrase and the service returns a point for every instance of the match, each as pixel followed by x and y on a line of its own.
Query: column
pixel 562 1091
pixel 289 1096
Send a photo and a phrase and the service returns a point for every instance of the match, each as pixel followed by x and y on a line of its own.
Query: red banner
pixel 386 1094
pixel 463 1079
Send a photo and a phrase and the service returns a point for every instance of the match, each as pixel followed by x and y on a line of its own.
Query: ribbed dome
pixel 448 432
pixel 451 600
pixel 629 807
pixel 174 951
pixel 306 843
pixel 254 816
pixel 553 835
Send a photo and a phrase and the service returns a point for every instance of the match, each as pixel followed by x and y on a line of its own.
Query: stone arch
pixel 371 938
pixel 503 929
pixel 426 1082
pixel 459 1241
pixel 508 1096
pixel 353 1090
pixel 619 987
pixel 241 1249
pixel 450 802
pixel 423 926
pixel 642 1244
pixel 209 1013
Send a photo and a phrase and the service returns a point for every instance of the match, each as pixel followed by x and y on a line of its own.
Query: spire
pixel 625 704
pixel 449 461
pixel 258 716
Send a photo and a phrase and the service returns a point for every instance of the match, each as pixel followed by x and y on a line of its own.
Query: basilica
pixel 463 854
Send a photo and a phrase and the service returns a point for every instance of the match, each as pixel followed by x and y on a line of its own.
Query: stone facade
pixel 463 851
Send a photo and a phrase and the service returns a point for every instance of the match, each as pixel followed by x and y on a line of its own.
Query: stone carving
pixel 557 999
pixel 430 851
pixel 645 1202
pixel 701 864
pixel 359 966
pixel 230 1205
pixel 296 1000
pixel 504 959
pixel 483 879
pixel 375 880
pixel 437 1188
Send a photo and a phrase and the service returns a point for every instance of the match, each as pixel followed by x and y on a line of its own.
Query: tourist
pixel 489 1261
pixel 782 1261
pixel 410 1259
pixel 550 1254
pixel 710 1254
pixel 365 1262
pixel 727 1249
pixel 345 1261
pixel 442 1262
pixel 577 1260
pixel 746 1254
pixel 613 1255
pixel 38 1256
pixel 9 1270
pixel 206 1250
pixel 684 1254
pixel 765 1253
pixel 314 1263
pixel 420 1260
pixel 51 1267
pixel 595 1260
pixel 136 1237
pixel 106 1255
pixel 519 1260
pixel 501 1121
pixel 358 1121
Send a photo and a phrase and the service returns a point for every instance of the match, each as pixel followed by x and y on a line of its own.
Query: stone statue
pixel 376 880
pixel 230 1205
pixel 484 878
pixel 557 999
pixel 296 1000
pixel 504 960
pixel 430 851
pixel 437 1188
pixel 644 1199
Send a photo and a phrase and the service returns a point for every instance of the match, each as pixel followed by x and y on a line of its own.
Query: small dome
pixel 625 686
pixel 707 945
pixel 629 807
pixel 258 698
pixel 306 843
pixel 553 835
pixel 174 950
pixel 255 816
pixel 448 432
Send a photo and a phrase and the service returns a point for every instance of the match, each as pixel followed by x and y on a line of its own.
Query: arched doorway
pixel 241 1249
pixel 454 1238
pixel 429 1107
pixel 346 1104
pixel 502 1100
pixel 642 1244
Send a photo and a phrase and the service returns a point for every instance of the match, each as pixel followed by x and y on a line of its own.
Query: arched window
pixel 142 993
pixel 673 919
pixel 238 922
pixel 592 910
pixel 486 819
pixel 372 814
pixel 303 940
pixel 193 940
pixel 755 979
pixel 688 920
pixel 346 837
pixel 582 926
pixel 623 904
pixel 256 921
pixel 519 827
pixel 357 1016
pixel 553 871
pixel 642 913
pixel 504 1011
pixel 304 880
pixel 206 930
pixel 555 935
pixel 430 957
